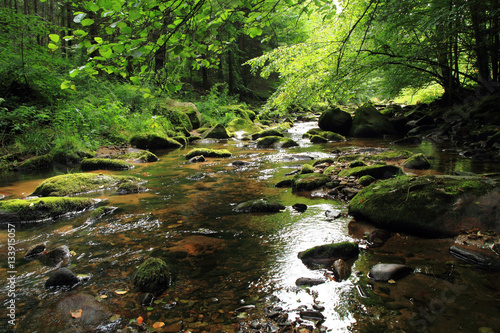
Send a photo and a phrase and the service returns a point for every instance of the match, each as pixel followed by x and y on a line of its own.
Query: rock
pixel 259 206
pixel 378 237
pixel 417 161
pixel 333 214
pixel 240 163
pixel 355 164
pixel 79 183
pixel 35 251
pixel 276 142
pixel 152 276
pixel 104 164
pixel 431 206
pixel 325 160
pixel 129 188
pixel 308 282
pixel 38 163
pixel 300 207
pixel 100 212
pixel 317 135
pixel 492 140
pixel 62 278
pixel 366 180
pixel 206 152
pixel 197 159
pixel 58 254
pixel 410 140
pixel 376 171
pixel 267 132
pixel 327 254
pixel 318 139
pixel 153 141
pixel 242 125
pixel 368 122
pixel 217 132
pixel 475 258
pixel 309 182
pixel 335 120
pixel 284 183
pixel 197 245
pixel 141 156
pixel 33 210
pixel 341 270
pixel 314 315
pixel 306 168
pixel 386 272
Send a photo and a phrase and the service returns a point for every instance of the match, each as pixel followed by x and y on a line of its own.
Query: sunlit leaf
pixel 103 296
pixel 87 22
pixel 65 85
pixel 121 292
pixel 78 18
pixel 54 38
pixel 53 46
pixel 158 324
pixel 76 314
pixel 140 320
pixel 391 281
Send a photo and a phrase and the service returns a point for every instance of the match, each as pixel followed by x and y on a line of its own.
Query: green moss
pixel 179 118
pixel 206 152
pixel 76 183
pixel 244 125
pixel 40 209
pixel 349 158
pixel 344 250
pixel 70 157
pixel 356 164
pixel 105 164
pixel 259 206
pixel 43 162
pixel 152 276
pixel 309 182
pixel 306 168
pixel 417 161
pixel 327 135
pixel 130 187
pixel 275 141
pixel 377 171
pixel 328 160
pixel 318 139
pixel 391 155
pixel 99 212
pixel 143 156
pixel 331 170
pixel 217 132
pixel 271 132
pixel 153 141
pixel 366 180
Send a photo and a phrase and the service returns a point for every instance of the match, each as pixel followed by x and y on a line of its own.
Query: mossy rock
pixel 349 158
pixel 100 212
pixel 377 171
pixel 244 125
pixel 186 107
pixel 217 132
pixel 179 118
pixel 331 170
pixel 276 142
pixel 318 139
pixel 306 168
pixel 153 276
pixel 142 156
pixel 129 188
pixel 431 206
pixel 366 180
pixel 17 210
pixel 309 182
pixel 105 164
pixel 153 141
pixel 329 252
pixel 357 163
pixel 418 162
pixel 326 135
pixel 390 155
pixel 274 132
pixel 78 183
pixel 335 120
pixel 206 152
pixel 70 156
pixel 259 206
pixel 38 163
pixel 328 160
pixel 368 122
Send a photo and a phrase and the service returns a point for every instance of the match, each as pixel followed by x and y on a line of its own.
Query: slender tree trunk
pixel 230 72
pixel 480 47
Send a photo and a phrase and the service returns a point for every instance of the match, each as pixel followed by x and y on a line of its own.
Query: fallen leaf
pixel 158 324
pixel 391 281
pixel 121 292
pixel 76 314
pixel 114 318
pixel 73 253
pixel 360 201
pixel 140 320
pixel 104 296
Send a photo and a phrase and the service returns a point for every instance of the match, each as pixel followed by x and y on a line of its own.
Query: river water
pixel 233 260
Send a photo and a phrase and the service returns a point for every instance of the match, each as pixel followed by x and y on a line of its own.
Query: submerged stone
pixel 206 152
pixel 309 182
pixel 327 254
pixel 152 276
pixel 259 206
pixel 386 272
pixel 61 278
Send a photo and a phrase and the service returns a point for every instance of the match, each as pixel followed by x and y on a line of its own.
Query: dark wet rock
pixel 378 237
pixel 420 130
pixel 350 192
pixel 354 164
pixel 386 272
pixel 300 207
pixel 366 180
pixel 153 141
pixel 335 120
pixel 240 163
pixel 206 152
pixel 476 258
pixel 152 276
pixel 303 281
pixel 318 139
pixel 325 160
pixel 341 270
pixel 78 183
pixel 368 122
pixel 276 142
pixel 492 140
pixel 197 159
pixel 35 251
pixel 432 206
pixel 309 182
pixel 245 308
pixel 376 171
pixel 313 315
pixel 418 162
pixel 496 248
pixel 327 254
pixel 58 254
pixel 147 299
pixel 61 278
pixel 259 206
pixel 317 135
pixel 267 132
pixel 284 183
pixel 408 141
pixel 89 164
pixel 217 132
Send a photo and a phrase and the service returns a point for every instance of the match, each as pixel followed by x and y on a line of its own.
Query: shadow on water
pixel 222 260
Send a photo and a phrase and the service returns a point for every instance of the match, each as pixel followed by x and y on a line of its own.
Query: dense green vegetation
pixel 77 75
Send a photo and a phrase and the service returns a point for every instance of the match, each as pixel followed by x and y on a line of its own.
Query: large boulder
pixel 386 272
pixel 378 171
pixel 105 164
pixel 431 206
pixel 326 135
pixel 309 181
pixel 327 254
pixel 207 152
pixel 335 120
pixel 267 132
pixel 276 142
pixel 153 141
pixel 189 109
pixel 217 132
pixel 243 125
pixel 368 122
pixel 418 162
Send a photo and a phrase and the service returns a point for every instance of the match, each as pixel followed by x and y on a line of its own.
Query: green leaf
pixel 134 14
pixel 54 38
pixel 126 30
pixel 53 46
pixel 94 7
pixel 78 18
pixel 254 31
pixel 65 85
pixel 98 40
pixel 87 22
pixel 79 32
pixel 135 80
pixel 118 48
pixel 74 72
pixel 106 52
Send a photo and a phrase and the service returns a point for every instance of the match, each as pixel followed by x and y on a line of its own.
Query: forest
pixel 79 75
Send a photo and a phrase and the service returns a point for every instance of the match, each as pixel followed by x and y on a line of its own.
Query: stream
pixel 236 260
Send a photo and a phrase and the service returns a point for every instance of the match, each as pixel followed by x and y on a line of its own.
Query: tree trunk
pixel 480 47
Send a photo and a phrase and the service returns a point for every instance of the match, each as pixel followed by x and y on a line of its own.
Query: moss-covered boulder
pixel 153 276
pixel 377 171
pixel 329 253
pixel 317 139
pixel 366 180
pixel 323 160
pixel 77 183
pixel 153 141
pixel 187 108
pixel 335 120
pixel 368 122
pixel 357 163
pixel 38 163
pixel 390 155
pixel 206 152
pixel 105 164
pixel 216 132
pixel 267 132
pixel 306 168
pixel 259 206
pixel 326 135
pixel 143 156
pixel 309 182
pixel 276 142
pixel 418 162
pixel 17 210
pixel 243 125
pixel 432 206
pixel 71 156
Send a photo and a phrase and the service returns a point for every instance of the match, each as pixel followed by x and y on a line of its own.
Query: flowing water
pixel 232 260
